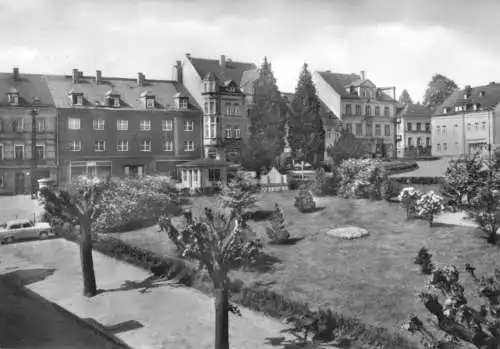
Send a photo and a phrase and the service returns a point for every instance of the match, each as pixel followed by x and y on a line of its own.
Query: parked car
pixel 19 229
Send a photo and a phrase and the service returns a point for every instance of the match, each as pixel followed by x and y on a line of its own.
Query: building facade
pixel 223 88
pixel 22 98
pixel 120 127
pixel 413 131
pixel 363 108
pixel 467 122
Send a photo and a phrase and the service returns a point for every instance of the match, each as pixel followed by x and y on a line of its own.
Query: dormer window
pixel 113 98
pixel 76 98
pixel 481 94
pixel 183 103
pixel 445 110
pixel 149 99
pixel 13 98
pixel 116 102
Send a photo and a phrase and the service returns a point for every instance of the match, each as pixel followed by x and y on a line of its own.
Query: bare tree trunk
pixel 222 318
pixel 89 283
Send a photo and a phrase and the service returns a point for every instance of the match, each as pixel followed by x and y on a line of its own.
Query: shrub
pixel 400 166
pixel 361 178
pixel 408 199
pixel 322 184
pixel 424 260
pixel 428 206
pixel 418 180
pixel 305 201
pixel 277 232
pixel 387 190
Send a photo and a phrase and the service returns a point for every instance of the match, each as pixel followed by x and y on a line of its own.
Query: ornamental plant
pixel 428 206
pixel 423 259
pixel 305 201
pixel 361 178
pixel 408 199
pixel 277 231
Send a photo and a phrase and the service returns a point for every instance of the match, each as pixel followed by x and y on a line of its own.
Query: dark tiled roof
pixel 415 111
pixel 324 111
pixel 130 93
pixel 205 162
pixel 29 86
pixel 490 99
pixel 232 70
pixel 339 82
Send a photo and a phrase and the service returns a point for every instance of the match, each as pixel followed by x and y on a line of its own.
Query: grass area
pixel 373 278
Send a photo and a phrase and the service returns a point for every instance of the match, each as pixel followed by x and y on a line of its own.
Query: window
pixel 369 130
pixel 150 103
pixel 428 127
pixel 40 125
pixel 443 130
pixel 387 130
pixel 40 152
pixel 483 125
pixel 122 145
pixel 212 129
pixel 1 152
pixel 229 109
pixel 438 130
pixel 214 174
pixel 456 145
pixel 476 126
pixel 168 146
pixel 145 145
pixel 236 109
pixel 428 141
pixel 331 133
pixel 73 124
pixel 145 125
pixel 1 125
pixel 387 111
pixel 359 129
pixel 77 99
pixel 469 126
pixel 18 125
pixel 13 98
pixel 99 145
pixel 116 102
pixel 75 146
pixel 368 110
pixel 438 147
pixel 409 126
pixel 205 105
pixel 167 125
pixel 183 103
pixel 419 127
pixel 122 125
pixel 378 130
pixel 419 141
pixel 188 146
pixel 445 146
pixel 99 125
pixel 358 109
pixel 229 133
pixel 377 111
pixel 410 141
pixel 1 181
pixel 348 109
pixel 188 125
pixel 348 128
pixel 237 133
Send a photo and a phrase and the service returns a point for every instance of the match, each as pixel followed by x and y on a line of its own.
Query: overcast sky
pixel 399 43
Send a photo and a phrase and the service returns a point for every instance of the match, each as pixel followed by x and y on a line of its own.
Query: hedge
pixel 400 166
pixel 418 180
pixel 253 297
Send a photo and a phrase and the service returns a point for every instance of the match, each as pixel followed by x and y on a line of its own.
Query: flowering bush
pixel 305 201
pixel 361 178
pixel 429 205
pixel 277 231
pixel 408 199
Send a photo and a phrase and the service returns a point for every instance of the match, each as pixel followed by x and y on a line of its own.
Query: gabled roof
pixel 490 99
pixel 131 95
pixel 415 111
pixel 231 71
pixel 339 82
pixel 29 87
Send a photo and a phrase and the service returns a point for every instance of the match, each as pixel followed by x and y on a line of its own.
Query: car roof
pixel 18 221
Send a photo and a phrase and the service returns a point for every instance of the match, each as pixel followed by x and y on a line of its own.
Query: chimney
pixel 188 55
pixel 363 75
pixel 394 92
pixel 222 60
pixel 140 79
pixel 15 73
pixel 178 68
pixel 98 77
pixel 75 76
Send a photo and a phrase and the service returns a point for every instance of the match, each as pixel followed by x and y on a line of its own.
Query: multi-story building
pixel 118 126
pixel 413 130
pixel 223 88
pixel 467 121
pixel 22 98
pixel 363 108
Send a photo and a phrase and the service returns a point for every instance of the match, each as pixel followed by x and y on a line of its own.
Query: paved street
pixel 28 321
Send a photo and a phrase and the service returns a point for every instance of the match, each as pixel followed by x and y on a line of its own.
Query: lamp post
pixel 34 112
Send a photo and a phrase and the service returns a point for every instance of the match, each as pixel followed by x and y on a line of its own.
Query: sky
pixel 399 43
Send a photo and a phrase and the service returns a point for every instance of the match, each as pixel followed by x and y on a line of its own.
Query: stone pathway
pixel 164 317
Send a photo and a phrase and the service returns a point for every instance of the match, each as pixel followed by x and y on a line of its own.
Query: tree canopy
pixel 405 98
pixel 347 146
pixel 439 88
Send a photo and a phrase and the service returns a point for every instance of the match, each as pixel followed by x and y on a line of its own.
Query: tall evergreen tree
pixel 267 122
pixel 405 98
pixel 306 134
pixel 440 87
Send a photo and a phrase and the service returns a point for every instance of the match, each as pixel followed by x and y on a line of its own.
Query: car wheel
pixel 8 240
pixel 44 235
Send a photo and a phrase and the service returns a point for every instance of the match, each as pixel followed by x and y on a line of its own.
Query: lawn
pixel 372 278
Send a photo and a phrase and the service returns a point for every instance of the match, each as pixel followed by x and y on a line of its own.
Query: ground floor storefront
pixel 17 180
pixel 202 174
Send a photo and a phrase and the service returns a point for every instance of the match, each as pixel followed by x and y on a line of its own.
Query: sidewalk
pixel 165 317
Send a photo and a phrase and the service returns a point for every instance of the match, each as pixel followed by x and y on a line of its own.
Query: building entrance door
pixel 19 185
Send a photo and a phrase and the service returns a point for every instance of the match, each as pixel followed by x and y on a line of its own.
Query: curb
pixel 98 329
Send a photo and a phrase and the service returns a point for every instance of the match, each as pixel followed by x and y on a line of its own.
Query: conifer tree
pixel 306 135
